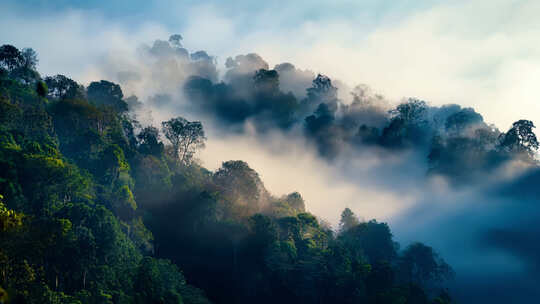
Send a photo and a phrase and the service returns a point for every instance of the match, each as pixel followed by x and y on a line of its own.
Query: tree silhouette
pixel 348 220
pixel 10 57
pixel 106 93
pixel 520 138
pixel 185 136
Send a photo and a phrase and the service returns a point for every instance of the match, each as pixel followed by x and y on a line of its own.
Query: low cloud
pixel 487 233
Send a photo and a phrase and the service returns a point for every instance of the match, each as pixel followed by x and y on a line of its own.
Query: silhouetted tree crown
pixel 348 220
pixel 185 136
pixel 520 138
pixel 108 94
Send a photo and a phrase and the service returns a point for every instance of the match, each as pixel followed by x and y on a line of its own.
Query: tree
pixel 413 111
pixel 322 89
pixel 408 124
pixel 149 141
pixel 9 219
pixel 322 118
pixel 266 81
pixel 62 87
pixel 30 58
pixel 371 240
pixel 106 93
pixel 458 122
pixel 321 92
pixel 10 57
pixel 264 232
pixel 185 136
pixel 296 201
pixel 520 138
pixel 367 134
pixel 175 39
pixel 242 186
pixel 41 88
pixel 20 66
pixel 348 220
pixel 419 264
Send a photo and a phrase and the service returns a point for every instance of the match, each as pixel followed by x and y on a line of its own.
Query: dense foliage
pixel 70 227
pixel 95 208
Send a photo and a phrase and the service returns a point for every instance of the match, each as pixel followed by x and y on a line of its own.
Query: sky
pixel 478 53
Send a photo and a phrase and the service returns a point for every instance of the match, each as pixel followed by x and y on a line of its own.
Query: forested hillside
pixel 96 207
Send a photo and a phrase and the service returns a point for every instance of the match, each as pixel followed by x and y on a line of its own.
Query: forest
pixel 97 206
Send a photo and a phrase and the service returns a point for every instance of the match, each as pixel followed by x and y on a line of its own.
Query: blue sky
pixel 172 13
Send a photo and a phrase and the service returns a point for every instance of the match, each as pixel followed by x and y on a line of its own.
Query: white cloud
pixel 289 165
pixel 483 54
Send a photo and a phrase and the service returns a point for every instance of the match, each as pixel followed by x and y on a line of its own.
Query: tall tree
pixel 240 184
pixel 149 142
pixel 10 57
pixel 420 264
pixel 41 88
pixel 520 138
pixel 185 136
pixel 266 81
pixel 106 93
pixel 348 220
pixel 62 87
pixel 458 122
pixel 412 112
pixel 322 90
pixel 30 58
pixel 409 124
pixel 175 40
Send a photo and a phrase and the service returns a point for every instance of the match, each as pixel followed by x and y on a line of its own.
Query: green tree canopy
pixel 348 220
pixel 106 93
pixel 185 136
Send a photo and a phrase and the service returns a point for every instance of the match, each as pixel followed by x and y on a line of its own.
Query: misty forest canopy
pixel 97 207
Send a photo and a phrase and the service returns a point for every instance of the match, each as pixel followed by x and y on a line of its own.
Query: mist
pixel 471 225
